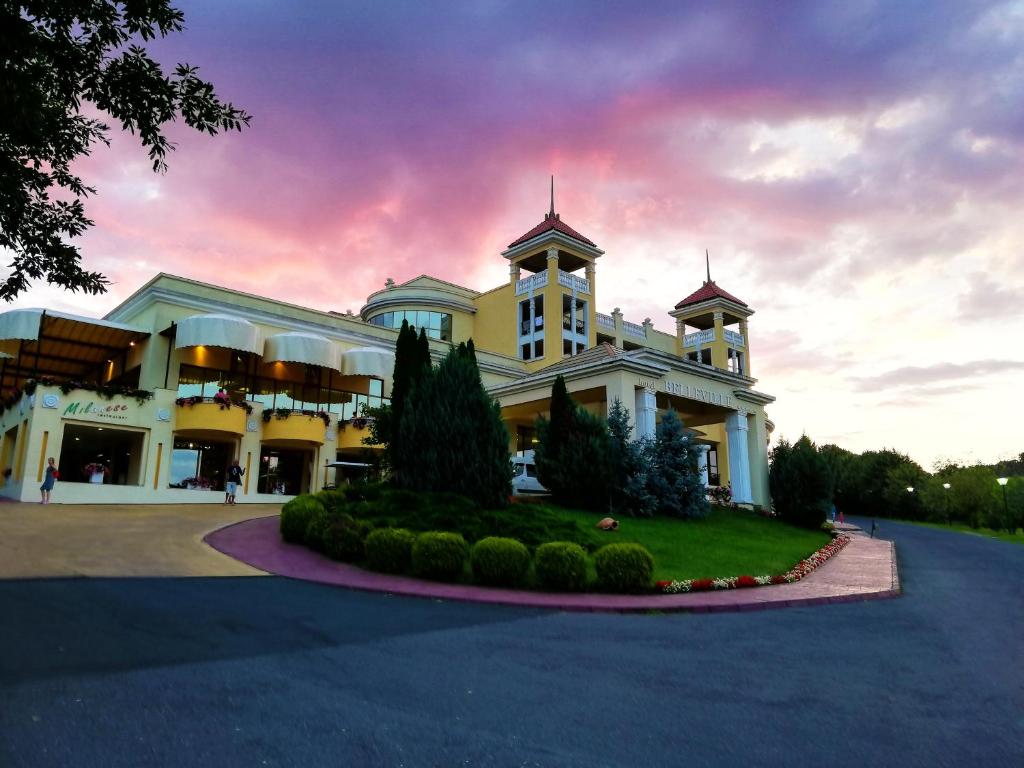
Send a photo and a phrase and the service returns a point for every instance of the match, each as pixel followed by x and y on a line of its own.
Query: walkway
pixel 865 569
pixel 51 540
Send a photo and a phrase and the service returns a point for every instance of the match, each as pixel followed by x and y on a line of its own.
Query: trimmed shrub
pixel 500 562
pixel 624 568
pixel 333 501
pixel 561 566
pixel 389 550
pixel 344 537
pixel 295 517
pixel 439 555
pixel 316 528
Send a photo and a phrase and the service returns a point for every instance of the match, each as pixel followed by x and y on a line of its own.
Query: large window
pixel 200 464
pixel 96 454
pixel 284 471
pixel 531 328
pixel 568 316
pixel 310 395
pixel 713 476
pixel 438 325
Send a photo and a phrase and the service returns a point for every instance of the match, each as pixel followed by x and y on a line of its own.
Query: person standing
pixel 51 477
pixel 235 473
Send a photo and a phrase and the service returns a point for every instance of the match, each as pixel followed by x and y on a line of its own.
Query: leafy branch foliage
pixel 63 62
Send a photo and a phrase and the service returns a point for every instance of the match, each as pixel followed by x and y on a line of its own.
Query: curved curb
pixel 257 543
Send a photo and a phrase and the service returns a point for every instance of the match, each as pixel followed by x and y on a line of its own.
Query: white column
pixel 646 413
pixel 702 462
pixel 739 457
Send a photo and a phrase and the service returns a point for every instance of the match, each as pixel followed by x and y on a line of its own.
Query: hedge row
pixel 445 556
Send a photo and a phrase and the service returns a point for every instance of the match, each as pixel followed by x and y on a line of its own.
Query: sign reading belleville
pixel 685 390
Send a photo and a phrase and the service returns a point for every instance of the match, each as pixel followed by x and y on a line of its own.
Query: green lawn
pixel 1016 538
pixel 729 542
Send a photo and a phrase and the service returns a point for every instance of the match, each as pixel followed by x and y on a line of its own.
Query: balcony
pixel 352 432
pixel 293 427
pixel 699 339
pixel 209 416
pixel 634 329
pixel 733 338
pixel 573 282
pixel 606 321
pixel 531 283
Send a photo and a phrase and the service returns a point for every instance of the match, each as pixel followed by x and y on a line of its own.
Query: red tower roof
pixel 708 291
pixel 552 221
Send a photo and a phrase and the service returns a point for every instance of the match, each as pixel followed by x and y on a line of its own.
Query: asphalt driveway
pixel 269 671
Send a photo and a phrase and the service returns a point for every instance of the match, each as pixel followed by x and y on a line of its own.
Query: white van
pixel 524 475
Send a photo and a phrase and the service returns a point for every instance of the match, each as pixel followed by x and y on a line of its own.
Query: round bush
pixel 295 517
pixel 438 555
pixel 624 568
pixel 389 550
pixel 561 566
pixel 500 562
pixel 316 528
pixel 344 539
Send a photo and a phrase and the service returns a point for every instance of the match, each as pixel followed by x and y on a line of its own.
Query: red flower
pixel 746 581
pixel 699 584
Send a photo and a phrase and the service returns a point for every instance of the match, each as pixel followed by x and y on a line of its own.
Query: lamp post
pixel 946 494
pixel 1006 510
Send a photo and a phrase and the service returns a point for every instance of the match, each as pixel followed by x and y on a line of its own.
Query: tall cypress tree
pixel 407 372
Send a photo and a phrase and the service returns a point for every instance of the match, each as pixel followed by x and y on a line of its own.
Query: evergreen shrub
pixel 344 539
pixel 801 483
pixel 316 528
pixel 624 568
pixel 389 550
pixel 561 566
pixel 295 517
pixel 439 555
pixel 500 562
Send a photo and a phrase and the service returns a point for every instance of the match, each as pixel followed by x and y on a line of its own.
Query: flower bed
pixel 796 573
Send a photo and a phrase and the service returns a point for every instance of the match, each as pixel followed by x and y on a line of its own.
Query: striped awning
pixel 216 330
pixel 297 347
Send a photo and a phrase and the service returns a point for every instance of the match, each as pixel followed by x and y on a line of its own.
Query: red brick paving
pixel 865 569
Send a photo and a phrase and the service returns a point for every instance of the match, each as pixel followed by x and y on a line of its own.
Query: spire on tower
pixel 707 258
pixel 551 213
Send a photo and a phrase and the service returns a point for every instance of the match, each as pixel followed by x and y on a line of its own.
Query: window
pixel 200 464
pixel 110 454
pixel 526 439
pixel 735 361
pixel 580 326
pixel 713 477
pixel 438 325
pixel 531 328
pixel 705 357
pixel 284 471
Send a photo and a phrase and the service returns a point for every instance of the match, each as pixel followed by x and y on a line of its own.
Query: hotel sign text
pixel 114 411
pixel 685 390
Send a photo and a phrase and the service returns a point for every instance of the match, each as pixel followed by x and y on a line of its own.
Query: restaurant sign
pixel 110 411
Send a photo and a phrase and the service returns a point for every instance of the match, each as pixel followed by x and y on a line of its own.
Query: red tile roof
pixel 708 291
pixel 552 221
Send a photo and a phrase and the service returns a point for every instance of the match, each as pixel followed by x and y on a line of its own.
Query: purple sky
pixel 854 168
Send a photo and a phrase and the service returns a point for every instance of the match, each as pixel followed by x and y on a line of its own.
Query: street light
pixel 910 489
pixel 946 486
pixel 1006 512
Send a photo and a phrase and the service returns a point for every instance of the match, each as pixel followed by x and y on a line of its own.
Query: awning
pixel 50 343
pixel 370 361
pixel 296 347
pixel 218 331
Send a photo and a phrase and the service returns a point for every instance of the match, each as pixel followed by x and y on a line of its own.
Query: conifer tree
pixel 452 437
pixel 674 479
pixel 800 483
pixel 628 461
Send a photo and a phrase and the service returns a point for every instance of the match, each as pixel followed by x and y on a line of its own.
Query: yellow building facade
pixel 152 403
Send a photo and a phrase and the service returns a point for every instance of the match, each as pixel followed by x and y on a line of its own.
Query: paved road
pixel 267 671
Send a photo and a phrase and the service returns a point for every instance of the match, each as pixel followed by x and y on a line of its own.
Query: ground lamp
pixel 1006 511
pixel 946 486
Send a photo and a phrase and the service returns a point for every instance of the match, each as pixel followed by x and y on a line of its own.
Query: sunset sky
pixel 854 168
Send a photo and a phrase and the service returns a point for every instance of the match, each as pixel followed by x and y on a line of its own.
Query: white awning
pixel 296 347
pixel 68 338
pixel 218 331
pixel 370 361
pixel 20 324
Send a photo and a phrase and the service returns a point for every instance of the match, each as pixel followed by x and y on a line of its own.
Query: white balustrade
pixel 699 338
pixel 533 282
pixel 736 339
pixel 634 329
pixel 573 282
pixel 606 321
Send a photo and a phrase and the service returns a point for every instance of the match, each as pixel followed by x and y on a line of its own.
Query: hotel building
pixel 133 406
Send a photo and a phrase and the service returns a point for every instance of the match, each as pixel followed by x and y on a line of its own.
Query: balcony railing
pixel 573 282
pixel 533 282
pixel 606 321
pixel 736 339
pixel 634 329
pixel 699 338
